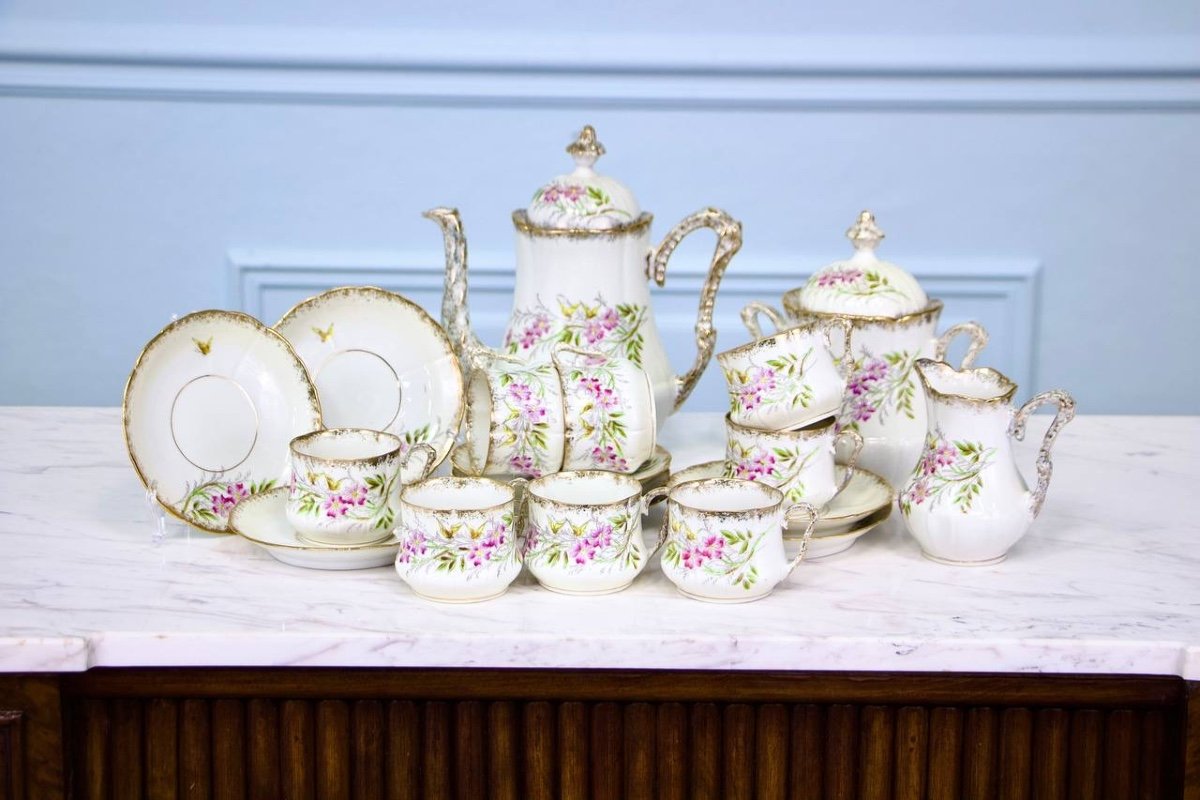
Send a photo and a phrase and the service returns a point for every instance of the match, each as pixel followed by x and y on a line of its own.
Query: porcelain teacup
pixel 514 418
pixel 797 462
pixel 608 411
pixel 345 483
pixel 787 379
pixel 724 539
pixel 458 539
pixel 583 531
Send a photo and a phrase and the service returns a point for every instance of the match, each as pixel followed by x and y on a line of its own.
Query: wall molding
pixel 440 68
pixel 1005 289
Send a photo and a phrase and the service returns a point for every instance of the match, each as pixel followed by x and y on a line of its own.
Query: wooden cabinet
pixel 125 734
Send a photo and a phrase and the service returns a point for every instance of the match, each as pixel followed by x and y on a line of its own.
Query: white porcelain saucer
pixel 262 520
pixel 828 544
pixel 379 362
pixel 653 473
pixel 866 496
pixel 208 411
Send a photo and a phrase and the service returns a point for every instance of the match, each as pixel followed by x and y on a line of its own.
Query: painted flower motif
pixel 335 506
pixel 595 541
pixel 759 462
pixel 947 468
pixel 523 465
pixel 354 494
pixel 613 330
pixel 723 556
pixel 838 277
pixel 878 387
pixel 778 383
pixel 608 458
pixel 412 545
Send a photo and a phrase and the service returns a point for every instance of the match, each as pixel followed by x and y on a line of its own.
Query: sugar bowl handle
pixel 751 312
pixel 979 340
pixel 729 241
pixel 1066 413
pixel 813 516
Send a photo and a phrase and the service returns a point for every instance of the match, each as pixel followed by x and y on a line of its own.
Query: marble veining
pixel 1104 583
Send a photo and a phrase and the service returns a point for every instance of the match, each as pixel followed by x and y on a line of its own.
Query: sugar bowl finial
pixel 864 233
pixel 586 148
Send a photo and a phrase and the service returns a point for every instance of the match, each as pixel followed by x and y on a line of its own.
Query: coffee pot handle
pixel 813 516
pixel 1066 413
pixel 751 312
pixel 729 241
pixel 979 340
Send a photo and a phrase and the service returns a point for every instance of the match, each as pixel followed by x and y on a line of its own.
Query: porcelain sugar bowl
pixel 894 324
pixel 584 263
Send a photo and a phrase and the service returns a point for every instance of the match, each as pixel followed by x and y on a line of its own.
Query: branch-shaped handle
pixel 729 241
pixel 813 516
pixel 979 340
pixel 847 357
pixel 520 487
pixel 1066 413
pixel 857 439
pixel 426 466
pixel 647 499
pixel 751 312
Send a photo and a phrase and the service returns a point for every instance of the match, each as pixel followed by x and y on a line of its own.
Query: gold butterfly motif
pixel 331 483
pixel 324 334
pixel 203 347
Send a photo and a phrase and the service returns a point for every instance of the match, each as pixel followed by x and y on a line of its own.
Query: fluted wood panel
pixel 363 749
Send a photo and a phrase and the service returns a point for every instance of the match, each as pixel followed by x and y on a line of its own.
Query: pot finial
pixel 864 233
pixel 586 148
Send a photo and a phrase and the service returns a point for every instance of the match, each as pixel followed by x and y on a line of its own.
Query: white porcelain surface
pixel 210 407
pixel 651 474
pixel 262 520
pixel 514 418
pixel 380 362
pixel 608 408
pixel 1096 586
pixel 799 463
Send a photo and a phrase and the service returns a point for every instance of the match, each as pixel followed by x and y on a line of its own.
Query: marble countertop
pixel 1106 582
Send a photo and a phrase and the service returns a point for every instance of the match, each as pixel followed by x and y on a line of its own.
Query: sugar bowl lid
pixel 583 199
pixel 863 285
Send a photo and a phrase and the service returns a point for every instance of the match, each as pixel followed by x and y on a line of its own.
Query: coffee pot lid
pixel 583 198
pixel 864 284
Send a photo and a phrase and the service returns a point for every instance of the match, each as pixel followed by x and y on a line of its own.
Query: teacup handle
pixel 1066 413
pixel 519 513
pixel 427 466
pixel 647 499
pixel 857 439
pixel 729 241
pixel 979 340
pixel 751 312
pixel 813 516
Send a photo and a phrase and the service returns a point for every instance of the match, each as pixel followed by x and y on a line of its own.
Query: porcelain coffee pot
pixel 966 502
pixel 584 262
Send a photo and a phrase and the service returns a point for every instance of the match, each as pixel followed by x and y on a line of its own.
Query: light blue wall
pixel 1035 163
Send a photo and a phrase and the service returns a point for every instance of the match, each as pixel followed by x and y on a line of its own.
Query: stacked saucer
pixel 262 519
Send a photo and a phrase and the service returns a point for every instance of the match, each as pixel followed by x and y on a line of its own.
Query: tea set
pixel 317 438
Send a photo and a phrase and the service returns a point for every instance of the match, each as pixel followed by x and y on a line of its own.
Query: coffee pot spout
pixel 456 316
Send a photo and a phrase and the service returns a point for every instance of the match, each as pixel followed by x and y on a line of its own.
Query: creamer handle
pixel 979 340
pixel 1066 413
pixel 729 241
pixel 813 516
pixel 751 312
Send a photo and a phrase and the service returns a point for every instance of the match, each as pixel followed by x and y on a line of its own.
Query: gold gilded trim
pixel 625 481
pixel 383 436
pixel 791 304
pixel 234 317
pixel 388 541
pixel 810 431
pixel 521 222
pixel 757 511
pixel 455 482
pixel 987 373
